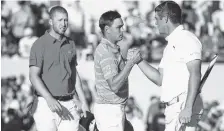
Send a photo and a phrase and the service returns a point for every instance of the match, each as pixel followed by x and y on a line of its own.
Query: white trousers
pixel 109 117
pixel 172 115
pixel 46 120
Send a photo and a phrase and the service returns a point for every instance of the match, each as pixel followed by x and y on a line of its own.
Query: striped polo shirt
pixel 108 62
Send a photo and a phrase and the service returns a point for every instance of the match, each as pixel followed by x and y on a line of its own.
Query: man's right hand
pixel 135 56
pixel 54 105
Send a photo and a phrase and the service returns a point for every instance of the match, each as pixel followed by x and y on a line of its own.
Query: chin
pixel 162 33
pixel 121 38
pixel 62 33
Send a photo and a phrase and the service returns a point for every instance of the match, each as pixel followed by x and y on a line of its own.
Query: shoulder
pixel 188 39
pixel 39 43
pixel 190 36
pixel 102 50
pixel 71 42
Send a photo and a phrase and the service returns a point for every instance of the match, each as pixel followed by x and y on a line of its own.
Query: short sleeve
pixel 108 66
pixel 190 50
pixel 36 55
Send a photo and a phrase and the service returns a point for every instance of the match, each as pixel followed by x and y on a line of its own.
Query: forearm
pixel 118 81
pixel 150 72
pixel 194 84
pixel 39 86
pixel 79 90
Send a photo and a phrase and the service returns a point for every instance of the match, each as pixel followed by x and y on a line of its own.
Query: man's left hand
pixel 81 106
pixel 85 108
pixel 185 115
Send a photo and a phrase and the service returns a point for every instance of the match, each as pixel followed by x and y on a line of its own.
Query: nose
pixel 64 23
pixel 122 29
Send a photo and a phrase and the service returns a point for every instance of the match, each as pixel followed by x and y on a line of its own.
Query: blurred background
pixel 23 22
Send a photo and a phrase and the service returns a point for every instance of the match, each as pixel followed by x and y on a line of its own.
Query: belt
pixel 173 101
pixel 62 97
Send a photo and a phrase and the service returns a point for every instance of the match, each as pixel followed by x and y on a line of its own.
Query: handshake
pixel 134 56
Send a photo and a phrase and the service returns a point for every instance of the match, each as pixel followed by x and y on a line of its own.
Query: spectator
pixel 6 12
pixel 158 123
pixel 146 53
pixel 157 46
pixel 26 43
pixel 8 43
pixel 133 108
pixel 42 18
pixel 207 44
pixel 92 36
pixel 87 53
pixel 152 111
pixel 134 114
pixel 218 19
pixel 4 33
pixel 218 41
pixel 133 21
pixel 189 14
pixel 15 121
pixel 14 104
pixel 20 20
pixel 76 23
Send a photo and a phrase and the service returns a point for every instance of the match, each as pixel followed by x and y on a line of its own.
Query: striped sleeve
pixel 108 66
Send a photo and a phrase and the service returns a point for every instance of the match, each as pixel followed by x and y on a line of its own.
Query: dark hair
pixel 107 19
pixel 162 106
pixel 21 3
pixel 57 9
pixel 170 9
pixel 11 111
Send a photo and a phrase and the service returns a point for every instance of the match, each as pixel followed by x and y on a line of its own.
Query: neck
pixel 109 39
pixel 55 35
pixel 172 27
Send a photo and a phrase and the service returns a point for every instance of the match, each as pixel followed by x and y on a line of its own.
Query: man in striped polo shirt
pixel 111 74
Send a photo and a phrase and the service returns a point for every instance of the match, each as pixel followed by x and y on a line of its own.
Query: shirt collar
pixel 52 39
pixel 114 48
pixel 175 31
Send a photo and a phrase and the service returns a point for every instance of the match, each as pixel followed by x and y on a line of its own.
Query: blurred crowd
pixel 212 118
pixel 20 29
pixel 16 94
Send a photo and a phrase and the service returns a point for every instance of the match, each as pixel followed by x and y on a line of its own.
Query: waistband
pixel 66 97
pixel 174 100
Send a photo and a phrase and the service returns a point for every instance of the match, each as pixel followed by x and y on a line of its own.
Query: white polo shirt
pixel 183 47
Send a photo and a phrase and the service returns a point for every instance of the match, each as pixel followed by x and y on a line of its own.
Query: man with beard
pixel 60 98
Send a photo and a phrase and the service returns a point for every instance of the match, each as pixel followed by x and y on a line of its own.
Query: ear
pixel 107 29
pixel 50 22
pixel 167 19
